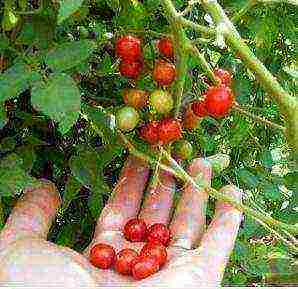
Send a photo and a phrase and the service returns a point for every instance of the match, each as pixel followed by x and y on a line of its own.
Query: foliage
pixel 59 89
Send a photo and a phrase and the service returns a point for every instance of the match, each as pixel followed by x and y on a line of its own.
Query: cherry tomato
pixel 224 76
pixel 156 250
pixel 164 73
pixel 183 149
pixel 144 267
pixel 190 120
pixel 161 101
pixel 149 132
pixel 124 261
pixel 102 256
pixel 165 47
pixel 169 130
pixel 127 118
pixel 128 48
pixel 159 233
pixel 219 100
pixel 136 98
pixel 130 69
pixel 199 108
pixel 135 230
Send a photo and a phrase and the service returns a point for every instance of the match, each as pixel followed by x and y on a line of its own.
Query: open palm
pixel 196 258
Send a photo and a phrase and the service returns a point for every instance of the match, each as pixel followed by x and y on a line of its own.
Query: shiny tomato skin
pixel 199 108
pixel 165 47
pixel 135 230
pixel 144 266
pixel 164 73
pixel 219 101
pixel 131 69
pixel 159 233
pixel 102 256
pixel 136 98
pixel 124 261
pixel 149 132
pixel 129 48
pixel 156 250
pixel 169 130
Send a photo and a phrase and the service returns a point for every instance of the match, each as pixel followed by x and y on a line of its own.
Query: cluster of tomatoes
pixel 128 261
pixel 217 100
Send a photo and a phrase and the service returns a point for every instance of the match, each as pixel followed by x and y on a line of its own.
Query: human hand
pixel 26 256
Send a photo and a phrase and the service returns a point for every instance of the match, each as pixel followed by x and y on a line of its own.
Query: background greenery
pixel 57 64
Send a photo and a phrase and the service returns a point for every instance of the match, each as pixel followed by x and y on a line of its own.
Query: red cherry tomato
pixel 135 230
pixel 164 73
pixel 102 256
pixel 169 130
pixel 199 108
pixel 219 100
pixel 165 47
pixel 128 48
pixel 124 261
pixel 159 233
pixel 144 267
pixel 130 69
pixel 224 76
pixel 156 250
pixel 149 132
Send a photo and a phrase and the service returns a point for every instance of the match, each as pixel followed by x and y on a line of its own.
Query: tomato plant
pixel 75 81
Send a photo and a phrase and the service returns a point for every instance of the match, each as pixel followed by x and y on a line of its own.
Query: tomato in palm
pixel 102 256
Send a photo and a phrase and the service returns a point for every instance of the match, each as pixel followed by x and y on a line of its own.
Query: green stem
pixel 180 173
pixel 236 17
pixel 203 62
pixel 180 46
pixel 259 119
pixel 287 103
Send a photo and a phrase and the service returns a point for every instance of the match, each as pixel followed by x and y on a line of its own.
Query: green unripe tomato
pixel 183 149
pixel 10 20
pixel 127 118
pixel 161 101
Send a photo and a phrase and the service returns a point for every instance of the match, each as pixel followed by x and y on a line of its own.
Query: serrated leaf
pixel 16 79
pixel 59 98
pixel 69 55
pixel 14 177
pixel 68 7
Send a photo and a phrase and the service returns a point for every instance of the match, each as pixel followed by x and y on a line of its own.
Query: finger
pixel 218 242
pixel 189 219
pixel 158 202
pixel 124 202
pixel 33 214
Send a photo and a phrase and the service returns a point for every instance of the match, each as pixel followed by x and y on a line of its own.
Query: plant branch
pixel 203 62
pixel 259 119
pixel 248 6
pixel 180 47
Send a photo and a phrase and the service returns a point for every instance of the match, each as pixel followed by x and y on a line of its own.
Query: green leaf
pixel 95 201
pixel 16 79
pixel 72 188
pixel 66 235
pixel 270 190
pixel 68 7
pixel 69 55
pixel 2 115
pixel 14 177
pixel 59 98
pixel 103 123
pixel 85 166
pixel 114 5
pixel 248 178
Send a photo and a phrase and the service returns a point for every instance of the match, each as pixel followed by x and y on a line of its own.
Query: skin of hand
pixel 197 256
